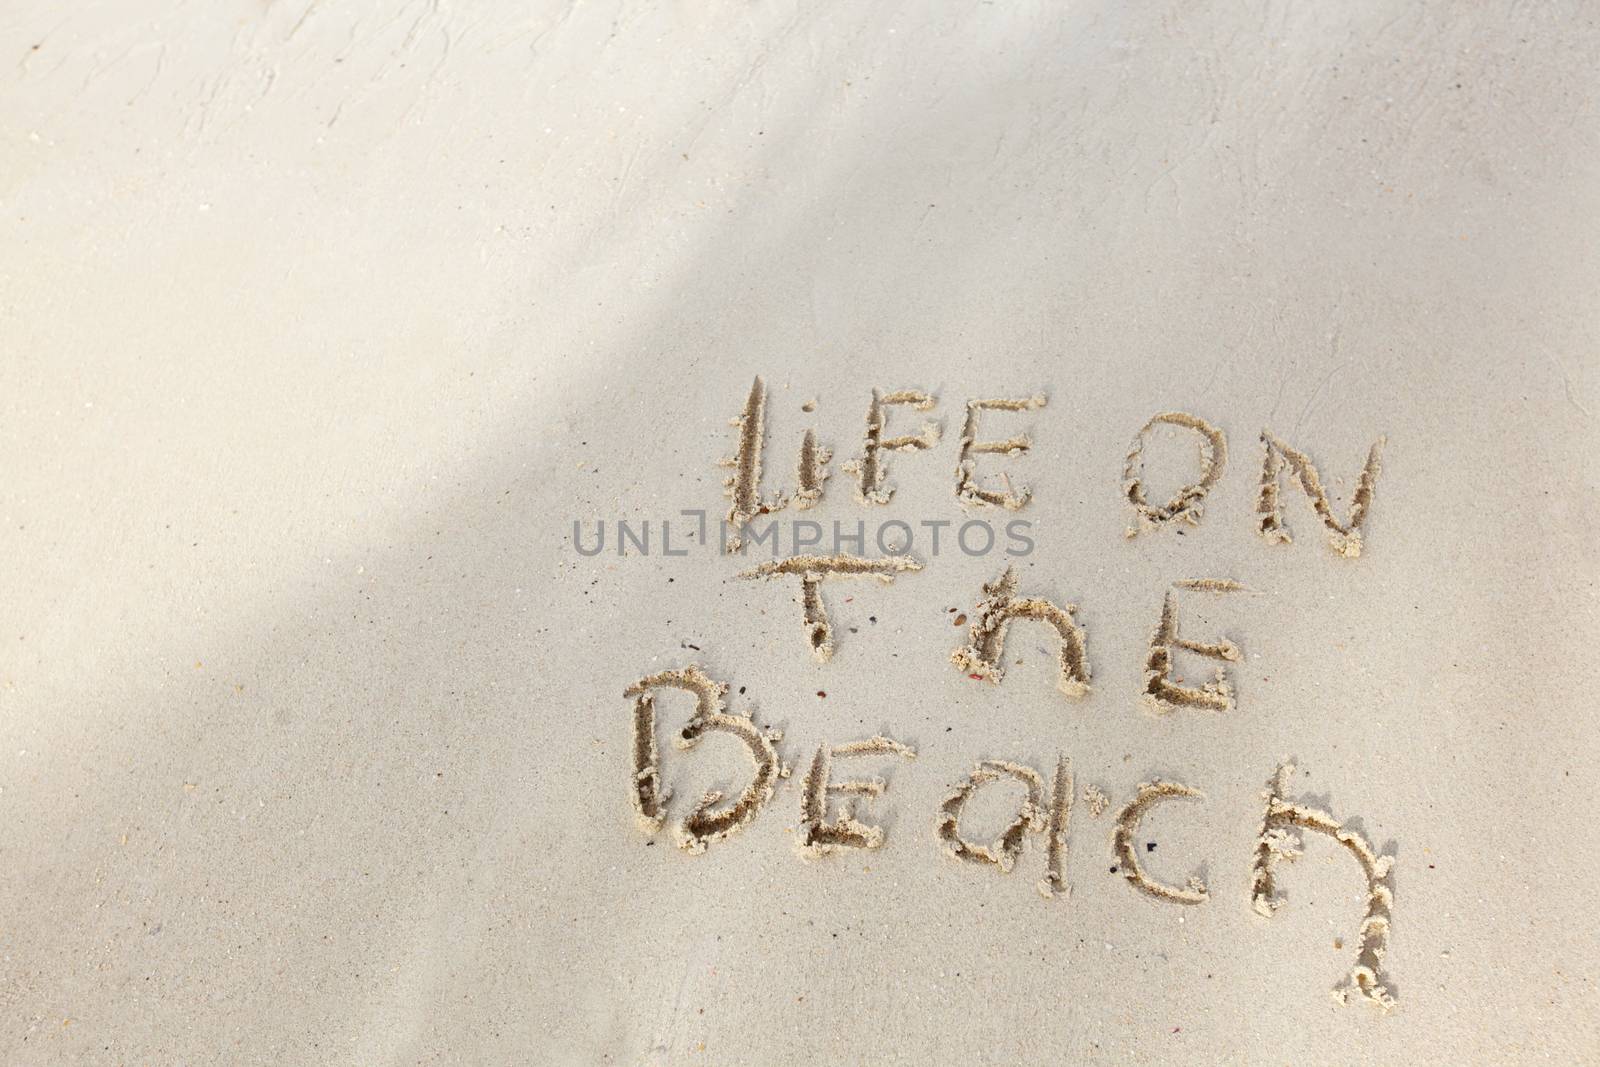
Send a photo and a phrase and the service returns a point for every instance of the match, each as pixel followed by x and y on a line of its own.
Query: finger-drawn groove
pixel 812 471
pixel 743 486
pixel 819 633
pixel 1161 693
pixel 649 796
pixel 1188 504
pixel 1054 882
pixel 1007 847
pixel 1279 840
pixel 1343 537
pixel 983 655
pixel 1211 585
pixel 968 490
pixel 818 836
pixel 870 469
pixel 874 746
pixel 705 823
pixel 812 570
pixel 1122 845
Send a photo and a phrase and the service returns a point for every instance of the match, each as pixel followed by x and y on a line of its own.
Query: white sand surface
pixel 320 324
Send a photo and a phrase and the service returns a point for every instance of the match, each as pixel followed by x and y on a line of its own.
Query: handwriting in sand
pixel 832 811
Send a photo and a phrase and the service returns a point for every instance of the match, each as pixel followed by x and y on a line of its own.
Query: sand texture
pixel 342 721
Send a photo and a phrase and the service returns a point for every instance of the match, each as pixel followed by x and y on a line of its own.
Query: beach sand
pixel 321 325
